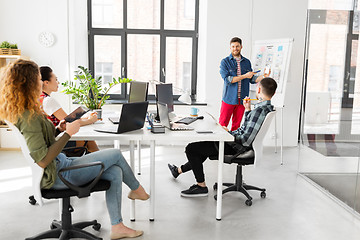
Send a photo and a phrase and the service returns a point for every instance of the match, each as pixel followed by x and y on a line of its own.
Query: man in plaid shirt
pixel 198 152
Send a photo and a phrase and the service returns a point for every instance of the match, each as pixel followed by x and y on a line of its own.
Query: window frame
pixel 163 33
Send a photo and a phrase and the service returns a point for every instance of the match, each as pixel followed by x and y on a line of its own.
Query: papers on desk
pixel 217 122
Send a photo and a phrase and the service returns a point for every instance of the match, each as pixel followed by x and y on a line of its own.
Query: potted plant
pixel 5 48
pixel 89 91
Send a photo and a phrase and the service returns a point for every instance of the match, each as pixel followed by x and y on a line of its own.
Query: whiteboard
pixel 276 55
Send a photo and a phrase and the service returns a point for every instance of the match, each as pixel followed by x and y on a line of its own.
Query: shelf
pixel 12 56
pixel 3 59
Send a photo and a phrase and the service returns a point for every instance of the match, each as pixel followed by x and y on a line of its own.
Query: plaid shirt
pixel 252 123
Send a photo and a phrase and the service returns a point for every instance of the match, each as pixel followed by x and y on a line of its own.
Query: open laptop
pixel 132 117
pixel 165 121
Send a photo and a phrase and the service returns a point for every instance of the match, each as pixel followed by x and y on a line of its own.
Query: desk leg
pixel 220 181
pixel 132 165
pixel 152 180
pixel 139 157
pixel 117 144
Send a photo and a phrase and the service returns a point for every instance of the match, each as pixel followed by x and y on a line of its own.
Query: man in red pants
pixel 237 74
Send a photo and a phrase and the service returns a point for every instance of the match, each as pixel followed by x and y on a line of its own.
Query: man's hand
pixel 267 74
pixel 247 104
pixel 249 75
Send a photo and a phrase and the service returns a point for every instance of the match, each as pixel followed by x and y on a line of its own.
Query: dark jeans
pixel 198 152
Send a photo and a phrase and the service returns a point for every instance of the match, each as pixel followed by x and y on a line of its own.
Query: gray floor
pixel 293 209
pixel 344 186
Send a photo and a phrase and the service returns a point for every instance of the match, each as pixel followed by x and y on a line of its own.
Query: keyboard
pixel 114 120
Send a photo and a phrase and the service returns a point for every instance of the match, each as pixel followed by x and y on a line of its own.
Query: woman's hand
pixel 93 117
pixel 72 128
pixel 62 126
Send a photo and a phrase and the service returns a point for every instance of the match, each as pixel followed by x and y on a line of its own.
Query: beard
pixel 236 53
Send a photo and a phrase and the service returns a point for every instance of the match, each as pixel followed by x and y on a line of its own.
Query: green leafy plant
pixel 89 91
pixel 5 44
pixel 13 46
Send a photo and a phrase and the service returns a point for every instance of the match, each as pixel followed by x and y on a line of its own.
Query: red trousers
pixel 227 110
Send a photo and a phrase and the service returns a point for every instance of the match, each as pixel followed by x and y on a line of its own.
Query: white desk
pixel 87 133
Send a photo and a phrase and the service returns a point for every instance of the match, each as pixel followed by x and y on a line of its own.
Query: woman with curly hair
pixel 20 87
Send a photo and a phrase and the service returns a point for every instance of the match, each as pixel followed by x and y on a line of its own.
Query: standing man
pixel 237 74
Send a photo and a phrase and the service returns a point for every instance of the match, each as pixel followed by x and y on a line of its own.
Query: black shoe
pixel 174 170
pixel 195 191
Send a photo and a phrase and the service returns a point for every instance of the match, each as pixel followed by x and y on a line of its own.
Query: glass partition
pixel 330 131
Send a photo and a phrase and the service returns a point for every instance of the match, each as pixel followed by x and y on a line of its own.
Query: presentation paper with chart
pixel 273 54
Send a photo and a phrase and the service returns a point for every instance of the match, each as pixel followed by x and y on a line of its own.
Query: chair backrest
pixel 259 139
pixel 37 171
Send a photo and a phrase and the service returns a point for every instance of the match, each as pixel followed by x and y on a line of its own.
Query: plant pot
pixel 99 113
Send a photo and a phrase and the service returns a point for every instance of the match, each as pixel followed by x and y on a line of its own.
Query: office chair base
pixel 64 229
pixel 75 231
pixel 240 186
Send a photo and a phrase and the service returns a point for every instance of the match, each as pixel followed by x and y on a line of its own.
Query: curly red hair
pixel 20 87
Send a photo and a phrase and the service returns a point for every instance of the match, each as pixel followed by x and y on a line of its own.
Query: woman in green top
pixel 20 87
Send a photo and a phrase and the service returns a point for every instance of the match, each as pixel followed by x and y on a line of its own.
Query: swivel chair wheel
pixel 248 202
pixel 215 187
pixel 96 226
pixel 263 194
pixel 32 200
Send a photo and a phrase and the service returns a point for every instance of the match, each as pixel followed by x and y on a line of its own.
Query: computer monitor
pixel 138 92
pixel 164 94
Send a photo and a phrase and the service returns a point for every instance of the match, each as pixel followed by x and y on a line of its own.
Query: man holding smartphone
pixel 237 74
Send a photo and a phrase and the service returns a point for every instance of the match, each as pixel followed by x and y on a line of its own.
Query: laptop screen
pixel 138 92
pixel 164 94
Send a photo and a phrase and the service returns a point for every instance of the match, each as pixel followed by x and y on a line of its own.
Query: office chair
pixel 252 156
pixel 63 229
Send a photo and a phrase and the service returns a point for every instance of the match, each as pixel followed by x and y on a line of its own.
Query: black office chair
pixel 64 229
pixel 249 157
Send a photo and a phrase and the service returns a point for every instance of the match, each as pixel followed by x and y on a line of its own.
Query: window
pixel 144 40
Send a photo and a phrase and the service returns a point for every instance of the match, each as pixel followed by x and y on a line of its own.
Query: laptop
pixel 165 121
pixel 132 117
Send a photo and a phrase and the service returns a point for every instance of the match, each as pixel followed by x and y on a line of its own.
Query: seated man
pixel 198 152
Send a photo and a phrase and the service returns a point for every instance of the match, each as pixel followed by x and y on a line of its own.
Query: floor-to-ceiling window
pixel 144 40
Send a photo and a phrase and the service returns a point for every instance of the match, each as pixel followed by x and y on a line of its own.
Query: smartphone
pixel 76 114
pixel 257 71
pixel 204 131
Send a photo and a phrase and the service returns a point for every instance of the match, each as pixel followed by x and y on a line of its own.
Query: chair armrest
pixel 76 148
pixel 83 191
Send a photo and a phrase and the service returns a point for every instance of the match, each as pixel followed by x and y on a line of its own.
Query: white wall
pixel 220 21
pixel 24 25
pixel 270 20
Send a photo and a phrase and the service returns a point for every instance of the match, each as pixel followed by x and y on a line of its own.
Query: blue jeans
pixel 116 170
